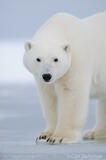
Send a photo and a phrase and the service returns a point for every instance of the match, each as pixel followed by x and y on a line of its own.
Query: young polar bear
pixel 67 57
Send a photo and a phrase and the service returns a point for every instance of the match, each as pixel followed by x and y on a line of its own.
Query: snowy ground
pixel 21 117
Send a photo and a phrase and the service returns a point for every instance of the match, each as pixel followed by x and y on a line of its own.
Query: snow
pixel 21 118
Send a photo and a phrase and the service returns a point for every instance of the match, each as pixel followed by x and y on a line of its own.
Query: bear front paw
pixel 43 136
pixel 56 139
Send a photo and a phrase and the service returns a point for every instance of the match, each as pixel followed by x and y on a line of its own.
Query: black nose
pixel 47 77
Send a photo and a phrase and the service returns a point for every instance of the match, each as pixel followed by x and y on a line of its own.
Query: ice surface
pixel 21 118
pixel 21 121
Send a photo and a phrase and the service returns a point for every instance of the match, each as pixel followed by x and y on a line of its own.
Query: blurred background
pixel 21 116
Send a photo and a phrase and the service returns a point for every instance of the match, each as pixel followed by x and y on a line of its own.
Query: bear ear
pixel 66 47
pixel 28 45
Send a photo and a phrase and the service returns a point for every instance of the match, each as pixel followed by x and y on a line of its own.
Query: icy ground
pixel 21 117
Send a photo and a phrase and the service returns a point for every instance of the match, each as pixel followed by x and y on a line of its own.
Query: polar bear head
pixel 47 62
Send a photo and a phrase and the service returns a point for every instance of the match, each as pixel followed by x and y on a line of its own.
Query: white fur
pixel 79 74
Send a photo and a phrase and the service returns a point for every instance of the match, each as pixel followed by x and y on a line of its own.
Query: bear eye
pixel 38 59
pixel 56 60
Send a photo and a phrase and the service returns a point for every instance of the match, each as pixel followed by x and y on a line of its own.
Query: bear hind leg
pixel 100 130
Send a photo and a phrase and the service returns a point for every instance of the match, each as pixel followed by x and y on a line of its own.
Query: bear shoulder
pixel 99 18
pixel 54 23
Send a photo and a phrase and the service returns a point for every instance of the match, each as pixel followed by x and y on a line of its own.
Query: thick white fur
pixel 82 74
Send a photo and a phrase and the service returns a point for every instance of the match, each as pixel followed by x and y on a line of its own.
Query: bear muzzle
pixel 47 77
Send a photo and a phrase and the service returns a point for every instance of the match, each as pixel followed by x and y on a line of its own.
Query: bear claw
pixel 43 136
pixel 53 141
pixel 40 137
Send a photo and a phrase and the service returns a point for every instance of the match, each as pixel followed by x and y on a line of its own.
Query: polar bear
pixel 67 57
